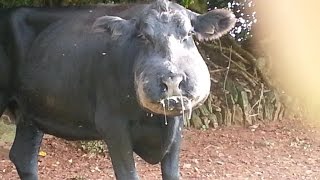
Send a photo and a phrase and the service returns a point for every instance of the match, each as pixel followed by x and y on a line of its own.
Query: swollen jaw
pixel 171 106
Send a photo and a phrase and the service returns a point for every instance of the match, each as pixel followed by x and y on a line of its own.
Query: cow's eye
pixel 185 39
pixel 142 37
pixel 190 33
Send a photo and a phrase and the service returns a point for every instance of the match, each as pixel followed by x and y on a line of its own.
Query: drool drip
pixel 182 107
pixel 189 109
pixel 164 111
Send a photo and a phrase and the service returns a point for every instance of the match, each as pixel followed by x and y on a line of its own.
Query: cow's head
pixel 170 75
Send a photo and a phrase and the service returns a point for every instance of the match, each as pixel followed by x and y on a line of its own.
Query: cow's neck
pixel 152 137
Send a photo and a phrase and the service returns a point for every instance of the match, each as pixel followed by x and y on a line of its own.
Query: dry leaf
pixel 42 153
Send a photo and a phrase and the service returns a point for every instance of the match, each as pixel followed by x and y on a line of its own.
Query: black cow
pixel 127 74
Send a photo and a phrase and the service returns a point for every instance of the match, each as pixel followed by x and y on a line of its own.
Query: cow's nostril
pixel 163 87
pixel 181 85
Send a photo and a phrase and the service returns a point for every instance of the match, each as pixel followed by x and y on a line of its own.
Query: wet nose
pixel 171 85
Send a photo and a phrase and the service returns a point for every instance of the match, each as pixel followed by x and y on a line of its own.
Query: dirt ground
pixel 285 150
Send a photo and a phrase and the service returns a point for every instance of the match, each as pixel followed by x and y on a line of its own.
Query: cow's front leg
pixel 3 102
pixel 120 150
pixel 170 162
pixel 25 148
pixel 118 140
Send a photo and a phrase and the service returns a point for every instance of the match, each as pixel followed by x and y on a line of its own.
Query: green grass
pixel 95 147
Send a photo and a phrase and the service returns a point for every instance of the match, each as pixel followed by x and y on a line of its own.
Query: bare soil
pixel 283 150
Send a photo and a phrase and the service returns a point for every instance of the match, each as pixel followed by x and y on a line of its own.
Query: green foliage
pixel 95 147
pixel 187 3
pixel 15 3
pixel 218 3
pixel 6 3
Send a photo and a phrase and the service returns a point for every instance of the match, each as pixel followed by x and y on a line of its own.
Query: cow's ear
pixel 113 25
pixel 213 24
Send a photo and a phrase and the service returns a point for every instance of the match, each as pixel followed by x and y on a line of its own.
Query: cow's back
pixel 61 63
pixel 66 68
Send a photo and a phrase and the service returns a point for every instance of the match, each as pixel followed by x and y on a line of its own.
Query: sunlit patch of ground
pixel 7 132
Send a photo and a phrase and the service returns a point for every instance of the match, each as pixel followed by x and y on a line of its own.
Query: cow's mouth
pixel 177 105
